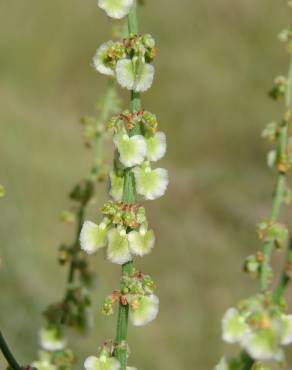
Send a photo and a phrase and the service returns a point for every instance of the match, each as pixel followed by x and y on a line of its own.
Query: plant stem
pixel 8 354
pixel 129 196
pixel 280 184
pixel 104 115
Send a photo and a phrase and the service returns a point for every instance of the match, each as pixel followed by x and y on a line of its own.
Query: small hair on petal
pixel 92 237
pixel 145 310
pixel 156 146
pixel 116 8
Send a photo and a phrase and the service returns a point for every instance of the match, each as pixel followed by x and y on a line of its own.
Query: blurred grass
pixel 216 61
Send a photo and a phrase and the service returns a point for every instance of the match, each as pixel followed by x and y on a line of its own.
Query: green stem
pixel 129 197
pixel 280 184
pixel 104 115
pixel 8 354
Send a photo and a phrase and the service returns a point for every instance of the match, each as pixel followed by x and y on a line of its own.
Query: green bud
pixel 279 88
pixel 271 132
pixel 274 232
pixel 67 217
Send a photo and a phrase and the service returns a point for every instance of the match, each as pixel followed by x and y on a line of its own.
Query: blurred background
pixel 216 61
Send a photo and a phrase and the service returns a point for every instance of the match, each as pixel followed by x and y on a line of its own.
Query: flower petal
pixel 116 8
pixel 233 326
pixel 51 339
pixel 44 365
pixel 116 186
pixel 125 73
pixel 92 236
pixel 262 344
pixel 140 80
pixel 118 247
pixel 156 146
pixel 146 310
pixel 91 363
pixel 141 243
pixel 144 77
pixel 102 363
pixel 151 184
pixel 132 150
pixel 99 59
pixel 222 365
pixel 287 330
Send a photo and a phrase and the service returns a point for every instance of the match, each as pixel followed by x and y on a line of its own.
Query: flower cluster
pixel 129 60
pixel 123 232
pixel 136 291
pixel 138 151
pixel 74 312
pixel 260 326
pixel 54 354
pixel 272 232
pixel 113 233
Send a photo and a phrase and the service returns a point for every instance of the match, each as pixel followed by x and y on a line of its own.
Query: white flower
pixel 271 158
pixel 286 330
pixel 233 326
pixel 100 57
pixel 145 310
pixel 101 363
pixel 116 186
pixel 262 344
pixel 116 8
pixel 44 365
pixel 127 76
pixel 156 146
pixel 151 184
pixel 92 236
pixel 132 149
pixel 51 339
pixel 222 365
pixel 118 247
pixel 141 242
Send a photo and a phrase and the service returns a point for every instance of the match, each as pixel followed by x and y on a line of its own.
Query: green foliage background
pixel 216 61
